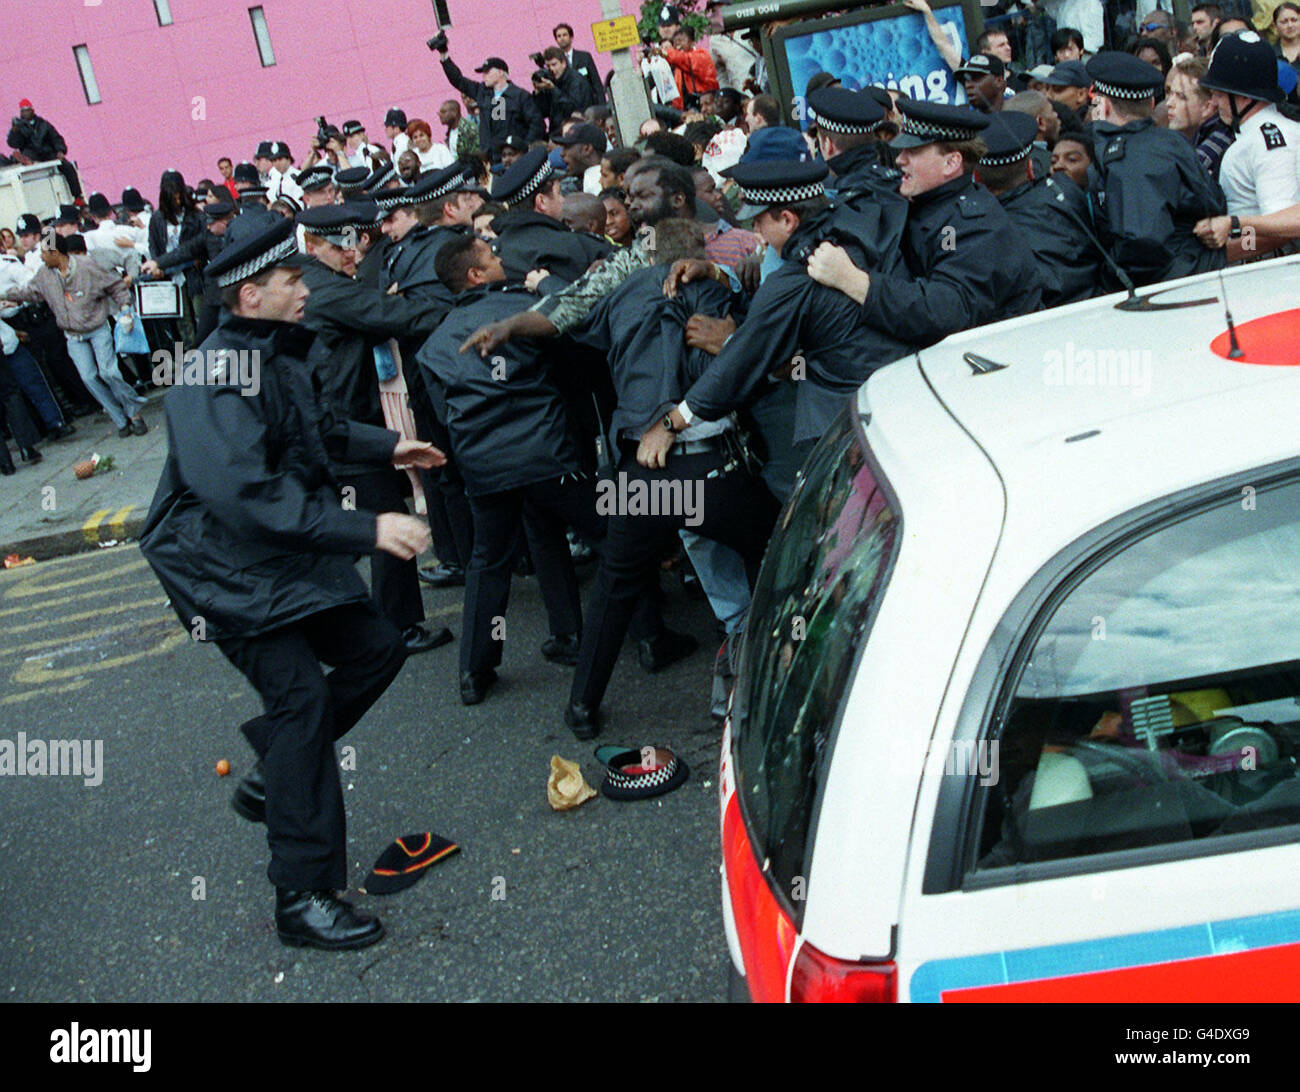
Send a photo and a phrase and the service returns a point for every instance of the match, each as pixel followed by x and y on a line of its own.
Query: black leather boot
pixel 320 919
pixel 250 796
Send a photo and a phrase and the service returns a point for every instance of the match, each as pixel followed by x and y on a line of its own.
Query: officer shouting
pixel 248 537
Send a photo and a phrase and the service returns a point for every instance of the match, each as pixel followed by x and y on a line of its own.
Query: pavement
pixel 46 511
pixel 148 887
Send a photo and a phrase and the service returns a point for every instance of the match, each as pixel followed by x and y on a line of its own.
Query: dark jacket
pixel 1151 192
pixel 793 318
pixel 585 66
pixel 861 177
pixel 1047 213
pixel 642 333
pixel 410 264
pixel 37 139
pixel 197 252
pixel 966 265
pixel 518 116
pixel 570 95
pixel 504 413
pixel 528 240
pixel 192 227
pixel 349 320
pixel 247 531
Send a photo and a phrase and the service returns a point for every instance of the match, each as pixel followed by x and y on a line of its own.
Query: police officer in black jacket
pixel 795 327
pixel 531 235
pixel 249 538
pixel 1051 214
pixel 350 321
pixel 1151 189
pixel 965 263
pixel 503 109
pixel 508 426
pixel 849 124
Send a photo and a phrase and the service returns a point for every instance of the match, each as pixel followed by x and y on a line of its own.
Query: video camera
pixel 438 43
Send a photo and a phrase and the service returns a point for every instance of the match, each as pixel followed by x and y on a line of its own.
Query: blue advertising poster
pixel 892 52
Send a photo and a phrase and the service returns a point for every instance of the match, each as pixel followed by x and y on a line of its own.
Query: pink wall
pixel 183 95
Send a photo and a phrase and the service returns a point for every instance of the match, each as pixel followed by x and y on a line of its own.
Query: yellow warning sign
pixel 612 34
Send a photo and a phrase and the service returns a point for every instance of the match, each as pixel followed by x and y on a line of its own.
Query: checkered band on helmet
pixel 644 781
pixel 1113 91
pixel 928 130
pixel 385 173
pixel 530 187
pixel 1007 158
pixel 831 125
pixel 253 266
pixel 783 195
pixel 387 200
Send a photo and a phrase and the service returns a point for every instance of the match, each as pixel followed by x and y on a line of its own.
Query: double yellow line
pixel 90 530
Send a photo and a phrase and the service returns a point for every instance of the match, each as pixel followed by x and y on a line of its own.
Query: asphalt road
pixel 614 902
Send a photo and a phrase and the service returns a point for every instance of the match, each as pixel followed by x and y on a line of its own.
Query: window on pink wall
pixel 163 9
pixel 89 84
pixel 263 36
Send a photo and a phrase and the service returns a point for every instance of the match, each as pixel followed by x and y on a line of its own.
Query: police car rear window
pixel 823 575
pixel 1161 700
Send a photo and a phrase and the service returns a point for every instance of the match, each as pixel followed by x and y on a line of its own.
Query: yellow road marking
pixel 34 586
pixel 34 646
pixel 43 603
pixel 84 615
pixel 27 695
pixel 90 529
pixel 31 673
pixel 118 523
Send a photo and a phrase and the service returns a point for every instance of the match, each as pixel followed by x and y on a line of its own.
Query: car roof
pixel 1160 411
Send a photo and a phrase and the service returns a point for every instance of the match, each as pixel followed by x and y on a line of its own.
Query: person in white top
pixel 1260 172
pixel 356 148
pixel 282 182
pixel 432 155
pixel 395 130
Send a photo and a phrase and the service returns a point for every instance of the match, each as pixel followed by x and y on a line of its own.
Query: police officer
pixel 280 181
pixel 531 235
pixel 849 126
pixel 248 537
pixel 965 263
pixel 503 109
pixel 1259 173
pixel 383 177
pixel 1150 188
pixel 508 427
pixel 317 185
pixel 350 320
pixel 1051 213
pixel 794 327
pixel 410 257
pixel 351 181
pixel 252 190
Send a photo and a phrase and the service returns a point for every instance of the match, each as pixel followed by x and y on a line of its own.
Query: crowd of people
pixel 506 327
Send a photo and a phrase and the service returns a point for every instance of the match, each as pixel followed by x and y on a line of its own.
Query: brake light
pixel 819 978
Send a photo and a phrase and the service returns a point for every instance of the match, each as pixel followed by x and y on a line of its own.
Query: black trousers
pixel 50 347
pixel 551 506
pixel 14 412
pixel 305 712
pixel 735 509
pixel 394 583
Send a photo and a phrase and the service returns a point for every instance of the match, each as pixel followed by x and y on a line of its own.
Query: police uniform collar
pixel 864 155
pixel 950 189
pixel 291 338
pixel 817 224
pixel 519 217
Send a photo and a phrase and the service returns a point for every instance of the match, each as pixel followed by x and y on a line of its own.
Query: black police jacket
pixel 410 264
pixel 966 265
pixel 504 413
pixel 861 177
pixel 570 95
pixel 247 531
pixel 643 335
pixel 1151 191
pixel 195 254
pixel 815 331
pixel 37 139
pixel 349 320
pixel 528 240
pixel 514 114
pixel 1048 213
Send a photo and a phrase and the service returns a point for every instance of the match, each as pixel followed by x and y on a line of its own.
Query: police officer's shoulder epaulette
pixel 1272 135
pixel 970 207
pixel 1114 149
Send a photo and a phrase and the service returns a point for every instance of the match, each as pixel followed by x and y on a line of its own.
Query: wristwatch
pixel 1234 228
pixel 668 423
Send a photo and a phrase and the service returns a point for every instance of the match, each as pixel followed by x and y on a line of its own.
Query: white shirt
pixel 14 275
pixel 733 60
pixel 437 157
pixel 591 180
pixel 400 143
pixel 283 185
pixel 1088 18
pixel 1260 173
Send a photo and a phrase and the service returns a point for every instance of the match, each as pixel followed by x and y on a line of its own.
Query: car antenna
pixel 1234 346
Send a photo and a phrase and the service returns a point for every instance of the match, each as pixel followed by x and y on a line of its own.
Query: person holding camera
pixel 327 147
pixel 558 90
pixel 503 108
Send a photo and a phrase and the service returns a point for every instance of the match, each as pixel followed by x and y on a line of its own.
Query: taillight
pixel 819 978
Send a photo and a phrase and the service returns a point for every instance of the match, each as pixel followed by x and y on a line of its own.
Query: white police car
pixel 1018 715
